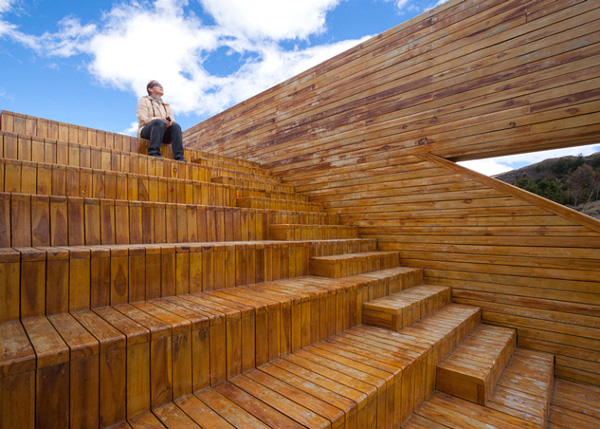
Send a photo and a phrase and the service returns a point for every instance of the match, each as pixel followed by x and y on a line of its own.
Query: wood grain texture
pixel 371 134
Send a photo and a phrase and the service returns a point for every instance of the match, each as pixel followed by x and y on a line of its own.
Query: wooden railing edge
pixel 541 202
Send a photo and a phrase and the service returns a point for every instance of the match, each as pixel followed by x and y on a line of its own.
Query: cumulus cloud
pixel 273 19
pixel 121 47
pixel 502 164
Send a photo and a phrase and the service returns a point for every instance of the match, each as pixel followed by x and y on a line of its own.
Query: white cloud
pixel 6 5
pixel 132 130
pixel 135 43
pixel 272 19
pixel 489 167
pixel 440 2
pixel 493 166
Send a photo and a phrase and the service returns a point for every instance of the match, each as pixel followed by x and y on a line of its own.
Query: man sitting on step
pixel 157 123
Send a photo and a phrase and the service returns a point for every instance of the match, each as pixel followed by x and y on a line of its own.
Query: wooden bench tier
pixel 304 232
pixel 32 126
pixel 40 220
pixel 472 370
pixel 51 179
pixel 353 263
pixel 401 309
pixel 360 378
pixel 122 360
pixel 47 151
pixel 46 280
pixel 279 204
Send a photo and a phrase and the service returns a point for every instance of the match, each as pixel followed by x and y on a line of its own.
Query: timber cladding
pixel 370 134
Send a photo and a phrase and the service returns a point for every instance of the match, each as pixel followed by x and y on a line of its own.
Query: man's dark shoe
pixel 181 159
pixel 156 155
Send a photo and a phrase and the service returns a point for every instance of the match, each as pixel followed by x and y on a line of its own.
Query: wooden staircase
pixel 144 292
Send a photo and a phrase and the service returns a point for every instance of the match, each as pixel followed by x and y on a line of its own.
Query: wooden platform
pixel 574 406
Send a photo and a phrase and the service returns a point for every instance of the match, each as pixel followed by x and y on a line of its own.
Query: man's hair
pixel 152 82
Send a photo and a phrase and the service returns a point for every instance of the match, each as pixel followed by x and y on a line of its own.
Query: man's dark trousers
pixel 157 132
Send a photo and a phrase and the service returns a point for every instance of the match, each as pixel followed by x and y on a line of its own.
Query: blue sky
pixel 87 61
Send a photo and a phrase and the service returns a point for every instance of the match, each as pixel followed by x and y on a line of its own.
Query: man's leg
pixel 173 135
pixel 155 132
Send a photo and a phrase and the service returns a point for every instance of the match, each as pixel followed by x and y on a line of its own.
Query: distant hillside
pixel 571 180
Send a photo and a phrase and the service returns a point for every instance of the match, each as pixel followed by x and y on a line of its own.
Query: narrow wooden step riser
pixel 149 370
pixel 352 265
pixel 316 232
pixel 473 369
pixel 405 312
pixel 38 220
pixel 39 281
pixel 265 185
pixel 276 204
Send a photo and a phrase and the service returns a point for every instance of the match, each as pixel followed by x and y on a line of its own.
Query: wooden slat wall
pixel 369 133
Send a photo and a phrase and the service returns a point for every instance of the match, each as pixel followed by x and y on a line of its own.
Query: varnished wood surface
pixel 122 360
pixel 574 405
pixel 370 134
pixel 341 382
pixel 473 369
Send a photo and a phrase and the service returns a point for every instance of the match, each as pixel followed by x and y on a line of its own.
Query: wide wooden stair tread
pixel 472 370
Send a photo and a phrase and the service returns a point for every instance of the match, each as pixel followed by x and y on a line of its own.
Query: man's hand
pixel 167 123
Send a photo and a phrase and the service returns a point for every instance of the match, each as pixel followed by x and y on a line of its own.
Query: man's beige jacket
pixel 148 109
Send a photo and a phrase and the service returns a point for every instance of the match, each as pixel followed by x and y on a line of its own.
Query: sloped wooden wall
pixel 373 132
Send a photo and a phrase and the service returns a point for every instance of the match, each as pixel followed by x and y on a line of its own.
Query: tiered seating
pixel 130 296
pixel 147 292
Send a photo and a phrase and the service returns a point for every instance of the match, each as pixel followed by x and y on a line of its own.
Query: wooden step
pixel 350 264
pixel 521 399
pixel 120 361
pixel 363 377
pixel 48 151
pixel 41 220
pixel 57 180
pixel 525 388
pixel 312 232
pixel 401 309
pixel 278 204
pixel 253 183
pixel 472 370
pixel 46 280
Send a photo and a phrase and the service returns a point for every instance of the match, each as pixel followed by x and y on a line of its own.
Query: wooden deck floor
pixel 575 405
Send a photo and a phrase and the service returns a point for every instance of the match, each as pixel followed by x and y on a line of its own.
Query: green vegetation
pixel 573 181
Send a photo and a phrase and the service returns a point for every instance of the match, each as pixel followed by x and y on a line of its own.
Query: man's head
pixel 154 89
